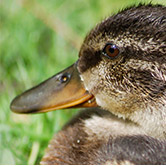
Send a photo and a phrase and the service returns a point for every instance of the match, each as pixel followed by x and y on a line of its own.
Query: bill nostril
pixel 64 78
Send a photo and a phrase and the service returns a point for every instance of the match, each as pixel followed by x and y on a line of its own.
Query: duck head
pixel 121 67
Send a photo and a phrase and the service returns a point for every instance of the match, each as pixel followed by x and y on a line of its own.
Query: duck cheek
pixel 99 102
pixel 89 81
pixel 107 104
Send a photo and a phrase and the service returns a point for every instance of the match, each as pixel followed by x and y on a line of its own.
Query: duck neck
pixel 152 120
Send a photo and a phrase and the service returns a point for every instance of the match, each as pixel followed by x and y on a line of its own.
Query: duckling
pixel 121 68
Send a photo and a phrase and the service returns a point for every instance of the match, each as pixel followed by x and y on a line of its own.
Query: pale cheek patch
pixel 84 83
pixel 99 102
pixel 91 80
pixel 81 78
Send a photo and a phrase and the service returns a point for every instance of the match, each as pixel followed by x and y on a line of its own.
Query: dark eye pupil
pixel 111 50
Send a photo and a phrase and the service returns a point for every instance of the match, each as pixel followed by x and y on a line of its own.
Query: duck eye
pixel 111 50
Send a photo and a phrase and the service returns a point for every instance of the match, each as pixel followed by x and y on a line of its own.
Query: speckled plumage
pixel 133 84
pixel 79 143
pixel 136 30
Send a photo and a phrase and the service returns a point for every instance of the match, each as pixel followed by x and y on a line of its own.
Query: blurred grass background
pixel 38 38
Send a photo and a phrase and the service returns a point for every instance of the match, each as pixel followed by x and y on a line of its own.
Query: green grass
pixel 33 47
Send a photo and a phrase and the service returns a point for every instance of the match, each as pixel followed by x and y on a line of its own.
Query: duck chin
pixel 111 105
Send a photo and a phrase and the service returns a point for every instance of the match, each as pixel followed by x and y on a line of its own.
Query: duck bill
pixel 63 90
